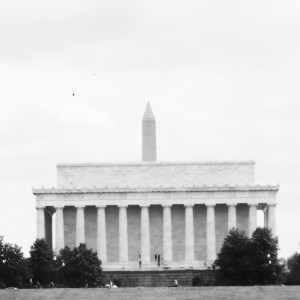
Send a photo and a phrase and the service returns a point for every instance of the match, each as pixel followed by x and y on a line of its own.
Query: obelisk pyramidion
pixel 149 135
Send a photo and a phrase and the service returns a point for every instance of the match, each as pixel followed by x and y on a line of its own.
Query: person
pixel 110 285
pixel 158 259
pixel 155 257
pixel 176 283
pixel 140 261
pixel 38 285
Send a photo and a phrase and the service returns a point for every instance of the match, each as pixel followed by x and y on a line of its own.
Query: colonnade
pixel 269 222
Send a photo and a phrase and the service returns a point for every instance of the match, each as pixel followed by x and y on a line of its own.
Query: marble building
pixel 180 210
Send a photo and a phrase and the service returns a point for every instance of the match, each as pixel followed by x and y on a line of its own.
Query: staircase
pixel 158 278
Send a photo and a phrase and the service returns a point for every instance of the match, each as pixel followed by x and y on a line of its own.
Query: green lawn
pixel 162 293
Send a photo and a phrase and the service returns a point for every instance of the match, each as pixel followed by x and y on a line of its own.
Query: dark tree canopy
pixel 79 267
pixel 232 260
pixel 293 264
pixel 14 271
pixel 41 262
pixel 249 261
pixel 265 266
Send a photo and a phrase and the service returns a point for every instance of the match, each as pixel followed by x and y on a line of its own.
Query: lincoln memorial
pixel 180 210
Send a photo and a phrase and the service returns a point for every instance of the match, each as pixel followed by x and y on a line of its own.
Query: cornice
pixel 160 163
pixel 203 188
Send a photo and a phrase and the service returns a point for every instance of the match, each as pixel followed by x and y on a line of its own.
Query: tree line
pixel 241 261
pixel 77 267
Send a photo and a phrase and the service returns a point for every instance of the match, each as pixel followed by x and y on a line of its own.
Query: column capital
pixel 166 205
pixel 210 205
pixel 123 205
pixel 188 205
pixel 40 207
pixel 79 206
pixel 232 204
pixel 144 205
pixel 59 206
pixel 101 206
pixel 253 205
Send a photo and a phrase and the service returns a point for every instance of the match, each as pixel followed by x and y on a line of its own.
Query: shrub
pixel 196 281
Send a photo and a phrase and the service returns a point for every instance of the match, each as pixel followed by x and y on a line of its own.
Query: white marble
pixel 145 235
pixel 101 234
pixel 189 233
pixel 252 219
pixel 231 217
pixel 123 235
pixel 80 228
pixel 210 233
pixel 40 223
pixel 167 233
pixel 59 228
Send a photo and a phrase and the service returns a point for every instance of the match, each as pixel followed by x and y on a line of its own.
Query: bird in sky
pixel 73 94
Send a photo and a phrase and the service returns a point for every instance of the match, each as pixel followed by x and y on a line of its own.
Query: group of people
pixel 111 285
pixel 159 260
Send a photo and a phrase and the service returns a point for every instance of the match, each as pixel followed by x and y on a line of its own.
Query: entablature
pixel 157 196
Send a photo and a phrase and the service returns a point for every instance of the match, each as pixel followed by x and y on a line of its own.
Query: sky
pixel 223 79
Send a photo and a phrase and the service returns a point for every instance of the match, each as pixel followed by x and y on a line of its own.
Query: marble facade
pixel 180 210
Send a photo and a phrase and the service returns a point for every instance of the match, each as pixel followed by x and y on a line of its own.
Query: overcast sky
pixel 223 79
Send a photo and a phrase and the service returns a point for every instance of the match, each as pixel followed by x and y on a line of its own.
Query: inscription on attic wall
pixel 144 175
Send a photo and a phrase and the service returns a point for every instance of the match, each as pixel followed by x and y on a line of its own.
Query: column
pixel 189 233
pixel 80 230
pixel 145 234
pixel 101 234
pixel 210 233
pixel 252 219
pixel 272 218
pixel 167 233
pixel 231 217
pixel 59 229
pixel 123 239
pixel 266 217
pixel 40 223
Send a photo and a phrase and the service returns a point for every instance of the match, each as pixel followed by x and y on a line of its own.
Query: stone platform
pixel 158 278
pixel 193 293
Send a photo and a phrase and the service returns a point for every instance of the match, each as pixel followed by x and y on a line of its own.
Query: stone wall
pixel 155 174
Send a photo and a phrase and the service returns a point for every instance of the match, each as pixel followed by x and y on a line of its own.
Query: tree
pixel 265 266
pixel 244 261
pixel 232 260
pixel 79 267
pixel 14 269
pixel 42 262
pixel 293 264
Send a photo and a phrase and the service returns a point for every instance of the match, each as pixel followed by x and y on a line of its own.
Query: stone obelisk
pixel 149 135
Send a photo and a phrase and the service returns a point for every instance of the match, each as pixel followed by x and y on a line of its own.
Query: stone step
pixel 158 278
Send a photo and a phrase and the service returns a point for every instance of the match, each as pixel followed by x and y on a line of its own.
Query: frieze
pixel 124 190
